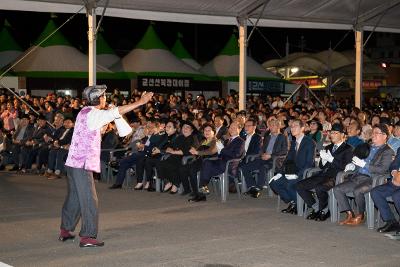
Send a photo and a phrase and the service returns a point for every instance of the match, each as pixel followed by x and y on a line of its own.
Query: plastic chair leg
pixel 333 206
pixel 370 209
pixel 238 188
pixel 278 206
pixel 300 206
pixel 224 187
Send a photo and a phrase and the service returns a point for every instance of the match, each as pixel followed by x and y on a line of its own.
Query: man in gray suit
pixel 377 163
pixel 275 145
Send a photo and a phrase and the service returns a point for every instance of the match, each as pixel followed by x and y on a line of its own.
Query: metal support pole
pixel 287 69
pixel 242 62
pixel 92 45
pixel 359 66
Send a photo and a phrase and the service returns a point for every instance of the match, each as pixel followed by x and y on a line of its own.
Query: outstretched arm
pixel 146 97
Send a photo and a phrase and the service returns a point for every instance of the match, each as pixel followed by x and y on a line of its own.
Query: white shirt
pixel 247 143
pixel 97 118
pixel 217 129
pixel 233 138
pixel 64 134
pixel 298 141
pixel 337 145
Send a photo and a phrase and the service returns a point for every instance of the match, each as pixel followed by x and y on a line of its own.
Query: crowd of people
pixel 271 133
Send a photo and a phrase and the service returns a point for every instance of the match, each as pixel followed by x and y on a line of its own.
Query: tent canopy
pixel 180 52
pixel 329 14
pixel 225 66
pixel 105 54
pixel 151 57
pixel 56 57
pixel 9 48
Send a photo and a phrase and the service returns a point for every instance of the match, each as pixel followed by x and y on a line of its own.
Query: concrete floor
pixel 155 229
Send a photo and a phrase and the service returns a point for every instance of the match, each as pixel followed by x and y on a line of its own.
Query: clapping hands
pixel 358 162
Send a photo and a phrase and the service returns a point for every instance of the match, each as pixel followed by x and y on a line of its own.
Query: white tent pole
pixel 359 66
pixel 92 45
pixel 242 62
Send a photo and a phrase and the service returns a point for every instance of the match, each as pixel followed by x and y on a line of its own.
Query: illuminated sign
pixel 147 83
pixel 371 84
pixel 313 82
pixel 265 86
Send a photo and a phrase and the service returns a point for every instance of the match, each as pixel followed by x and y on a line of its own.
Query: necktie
pixel 334 148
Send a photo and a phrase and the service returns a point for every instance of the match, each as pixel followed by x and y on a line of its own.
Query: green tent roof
pixel 102 46
pixel 151 40
pixel 7 42
pixel 179 50
pixel 56 39
pixel 231 48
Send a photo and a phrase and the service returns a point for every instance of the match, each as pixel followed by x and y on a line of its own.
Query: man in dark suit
pixel 220 129
pixel 59 151
pixel 43 151
pixel 300 157
pixel 377 163
pixel 391 188
pixel 275 145
pixel 31 148
pixel 334 159
pixel 233 149
pixel 253 141
pixel 20 137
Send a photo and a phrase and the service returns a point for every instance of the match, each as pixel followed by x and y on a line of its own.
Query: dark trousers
pixel 285 188
pixel 321 183
pixel 16 154
pixel 358 184
pixel 210 168
pixel 258 164
pixel 42 156
pixel 81 202
pixel 129 162
pixel 149 164
pixel 188 174
pixel 52 159
pixel 379 195
pixel 61 157
pixel 29 154
pixel 168 169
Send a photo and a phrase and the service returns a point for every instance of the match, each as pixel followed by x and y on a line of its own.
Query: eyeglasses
pixel 376 133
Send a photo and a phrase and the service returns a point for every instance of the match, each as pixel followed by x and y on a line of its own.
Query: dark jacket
pixel 39 133
pixel 165 141
pixel 233 149
pixel 304 157
pixel 341 157
pixel 381 162
pixel 254 145
pixel 280 147
pixel 27 135
pixel 222 131
pixel 66 137
pixel 154 141
pixel 395 165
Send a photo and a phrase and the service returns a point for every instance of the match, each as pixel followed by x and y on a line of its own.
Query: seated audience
pixel 377 163
pixel 275 145
pixel 167 168
pixel 300 157
pixel 233 148
pixel 334 159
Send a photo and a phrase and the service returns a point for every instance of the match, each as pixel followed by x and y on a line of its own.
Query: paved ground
pixel 154 229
